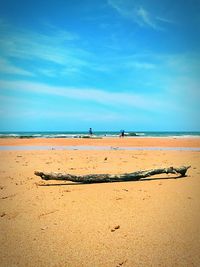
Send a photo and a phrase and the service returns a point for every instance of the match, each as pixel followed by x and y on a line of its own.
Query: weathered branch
pixel 105 178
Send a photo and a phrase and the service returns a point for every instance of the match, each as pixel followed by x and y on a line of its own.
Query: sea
pixel 97 134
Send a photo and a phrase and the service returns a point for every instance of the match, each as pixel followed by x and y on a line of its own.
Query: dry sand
pixel 51 223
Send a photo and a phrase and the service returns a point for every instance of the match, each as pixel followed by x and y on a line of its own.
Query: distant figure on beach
pixel 90 131
pixel 122 133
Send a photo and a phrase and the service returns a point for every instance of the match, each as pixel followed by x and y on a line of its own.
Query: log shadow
pixel 141 180
pixel 164 178
pixel 62 184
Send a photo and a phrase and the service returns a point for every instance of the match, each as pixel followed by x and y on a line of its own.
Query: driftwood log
pixel 106 178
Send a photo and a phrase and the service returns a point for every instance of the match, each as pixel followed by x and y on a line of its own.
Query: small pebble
pixel 44 228
pixel 115 228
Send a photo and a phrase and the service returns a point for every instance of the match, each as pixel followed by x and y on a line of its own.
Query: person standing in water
pixel 122 133
pixel 90 131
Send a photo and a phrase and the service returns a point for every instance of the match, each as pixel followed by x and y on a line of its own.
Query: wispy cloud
pixel 118 108
pixel 37 46
pixel 7 67
pixel 93 95
pixel 118 6
pixel 59 53
pixel 60 34
pixel 56 46
pixel 140 65
pixel 144 18
pixel 20 108
pixel 138 13
pixel 165 20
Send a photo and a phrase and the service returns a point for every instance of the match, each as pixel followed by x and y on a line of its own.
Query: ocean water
pixel 66 134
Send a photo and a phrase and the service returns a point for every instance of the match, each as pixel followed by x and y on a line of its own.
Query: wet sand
pixel 120 142
pixel 155 222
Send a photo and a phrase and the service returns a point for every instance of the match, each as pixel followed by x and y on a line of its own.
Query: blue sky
pixel 107 64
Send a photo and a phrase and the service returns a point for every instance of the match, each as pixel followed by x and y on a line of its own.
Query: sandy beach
pixel 120 142
pixel 154 222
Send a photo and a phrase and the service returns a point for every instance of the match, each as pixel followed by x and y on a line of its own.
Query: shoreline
pixel 114 142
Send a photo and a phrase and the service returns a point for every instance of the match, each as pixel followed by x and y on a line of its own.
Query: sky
pixel 107 64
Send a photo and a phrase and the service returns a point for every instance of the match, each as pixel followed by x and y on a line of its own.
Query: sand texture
pixel 120 142
pixel 155 222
